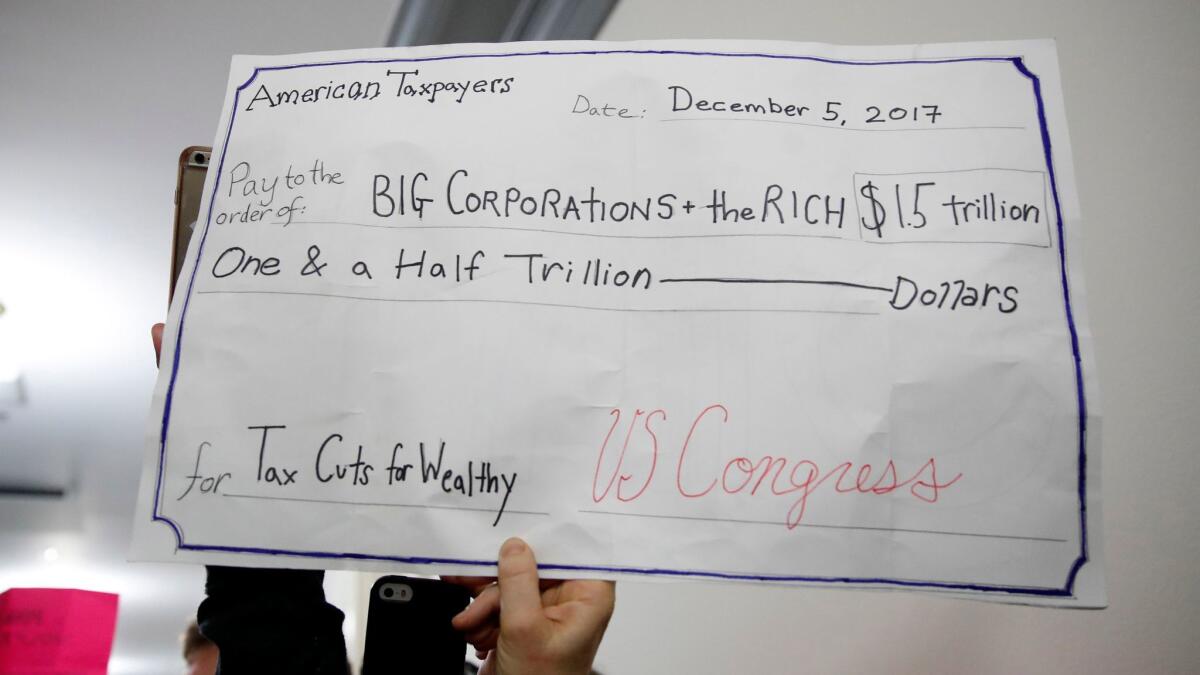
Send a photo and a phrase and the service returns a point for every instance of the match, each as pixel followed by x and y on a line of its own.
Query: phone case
pixel 408 628
pixel 189 185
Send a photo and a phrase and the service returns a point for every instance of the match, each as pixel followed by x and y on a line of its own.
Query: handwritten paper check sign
pixel 751 311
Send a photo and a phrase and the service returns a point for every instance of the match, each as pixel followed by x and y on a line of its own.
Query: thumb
pixel 520 598
pixel 156 332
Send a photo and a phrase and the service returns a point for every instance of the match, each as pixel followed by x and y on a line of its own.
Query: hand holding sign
pixel 521 626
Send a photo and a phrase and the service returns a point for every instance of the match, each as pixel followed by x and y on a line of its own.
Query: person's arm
pixel 272 621
pixel 523 626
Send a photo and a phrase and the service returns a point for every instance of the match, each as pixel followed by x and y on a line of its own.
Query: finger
pixel 156 332
pixel 489 665
pixel 520 599
pixel 480 612
pixel 486 605
pixel 593 592
pixel 584 602
pixel 552 594
pixel 475 585
pixel 485 639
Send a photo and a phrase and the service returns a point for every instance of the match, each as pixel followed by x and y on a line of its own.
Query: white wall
pixel 97 99
pixel 1131 74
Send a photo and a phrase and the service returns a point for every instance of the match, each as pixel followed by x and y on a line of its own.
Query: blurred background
pixel 98 99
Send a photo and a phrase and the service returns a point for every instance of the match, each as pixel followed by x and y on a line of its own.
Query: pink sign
pixel 56 630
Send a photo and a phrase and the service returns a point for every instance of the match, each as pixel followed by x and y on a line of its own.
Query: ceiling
pixel 96 102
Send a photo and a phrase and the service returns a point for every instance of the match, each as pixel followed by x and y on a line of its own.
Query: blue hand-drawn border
pixel 1066 590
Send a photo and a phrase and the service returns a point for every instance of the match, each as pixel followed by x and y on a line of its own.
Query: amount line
pixel 536 304
pixel 828 527
pixel 742 280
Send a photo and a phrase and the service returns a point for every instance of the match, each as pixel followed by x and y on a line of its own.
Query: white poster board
pixel 756 311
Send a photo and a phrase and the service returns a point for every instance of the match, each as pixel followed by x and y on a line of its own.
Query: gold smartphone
pixel 189 188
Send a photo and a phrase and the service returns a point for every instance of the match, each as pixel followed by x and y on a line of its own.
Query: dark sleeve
pixel 272 621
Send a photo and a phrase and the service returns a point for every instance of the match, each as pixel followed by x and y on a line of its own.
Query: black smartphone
pixel 408 628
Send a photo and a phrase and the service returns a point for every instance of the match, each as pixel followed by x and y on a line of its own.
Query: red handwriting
pixel 768 474
pixel 598 496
